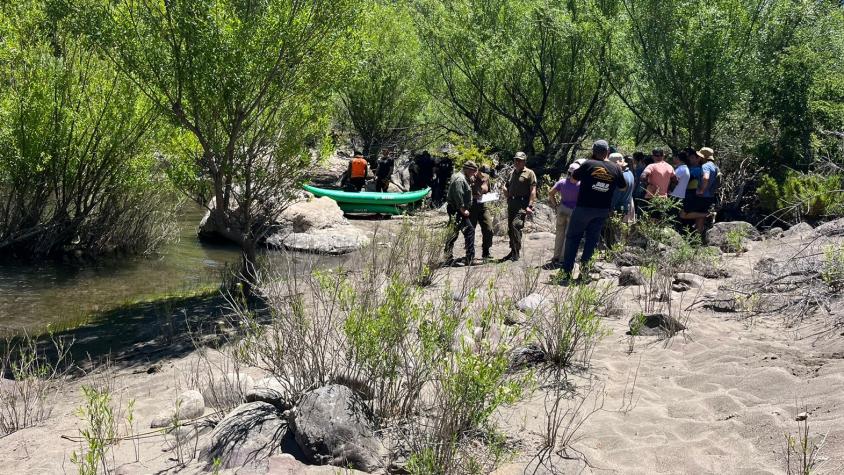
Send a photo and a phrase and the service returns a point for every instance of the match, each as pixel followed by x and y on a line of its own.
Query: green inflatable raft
pixel 369 201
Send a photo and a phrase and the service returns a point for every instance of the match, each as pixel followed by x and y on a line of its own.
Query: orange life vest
pixel 358 168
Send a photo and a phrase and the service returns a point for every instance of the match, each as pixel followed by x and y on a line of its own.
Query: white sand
pixel 718 399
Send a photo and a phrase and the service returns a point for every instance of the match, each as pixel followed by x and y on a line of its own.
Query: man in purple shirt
pixel 563 197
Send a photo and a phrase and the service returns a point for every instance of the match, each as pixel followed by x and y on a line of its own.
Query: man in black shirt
pixel 598 178
pixel 384 171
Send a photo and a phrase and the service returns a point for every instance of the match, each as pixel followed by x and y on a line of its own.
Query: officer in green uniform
pixel 459 205
pixel 521 194
pixel 480 214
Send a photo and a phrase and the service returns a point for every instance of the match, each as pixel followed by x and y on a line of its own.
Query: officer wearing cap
pixel 459 205
pixel 520 191
pixel 480 213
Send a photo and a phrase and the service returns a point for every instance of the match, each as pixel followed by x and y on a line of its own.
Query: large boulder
pixel 226 390
pixel 832 228
pixel 333 241
pixel 799 229
pixel 247 437
pixel 728 235
pixel 317 226
pixel 313 214
pixel 331 426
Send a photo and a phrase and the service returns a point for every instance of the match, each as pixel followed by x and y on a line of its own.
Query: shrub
pixel 832 271
pixel 36 379
pixel 99 433
pixel 802 196
pixel 570 331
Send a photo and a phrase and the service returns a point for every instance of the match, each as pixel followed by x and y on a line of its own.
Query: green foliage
pixel 383 96
pixel 802 196
pixel 687 65
pixel 466 150
pixel 250 82
pixel 832 271
pixel 77 170
pixel 99 432
pixel 735 240
pixel 518 75
pixel 570 332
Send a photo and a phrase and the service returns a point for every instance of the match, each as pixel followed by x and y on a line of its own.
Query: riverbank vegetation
pixel 109 107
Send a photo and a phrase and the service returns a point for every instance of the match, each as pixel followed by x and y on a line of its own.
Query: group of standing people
pixel 358 172
pixel 591 191
pixel 467 209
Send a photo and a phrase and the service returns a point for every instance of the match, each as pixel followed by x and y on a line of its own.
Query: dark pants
pixel 479 214
pixel 461 224
pixel 516 216
pixel 584 222
pixel 382 184
pixel 356 184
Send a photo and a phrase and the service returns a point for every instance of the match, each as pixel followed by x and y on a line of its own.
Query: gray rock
pixel 684 281
pixel 773 233
pixel 188 405
pixel 629 259
pixel 226 389
pixel 286 464
pixel 630 276
pixel 331 426
pixel 832 228
pixel 656 324
pixel 722 301
pixel 247 437
pixel 310 215
pixel 526 356
pixel 532 303
pixel 271 391
pixel 332 241
pixel 542 235
pixel 799 229
pixel 720 234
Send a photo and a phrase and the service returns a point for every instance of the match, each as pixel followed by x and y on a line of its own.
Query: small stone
pixel 630 276
pixel 656 324
pixel 799 229
pixel 188 405
pixel 684 281
pixel 801 417
pixel 773 233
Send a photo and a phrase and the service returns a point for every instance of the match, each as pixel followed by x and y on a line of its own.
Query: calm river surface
pixel 33 296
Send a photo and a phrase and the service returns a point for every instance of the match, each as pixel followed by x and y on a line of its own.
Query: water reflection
pixel 32 296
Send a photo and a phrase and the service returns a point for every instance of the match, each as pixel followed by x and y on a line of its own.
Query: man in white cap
pixel 520 191
pixel 598 179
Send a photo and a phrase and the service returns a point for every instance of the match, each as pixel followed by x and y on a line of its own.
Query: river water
pixel 33 296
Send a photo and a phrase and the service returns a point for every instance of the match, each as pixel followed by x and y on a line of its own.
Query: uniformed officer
pixel 459 205
pixel 479 213
pixel 520 192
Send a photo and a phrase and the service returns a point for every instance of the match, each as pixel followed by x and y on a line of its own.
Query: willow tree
pixel 76 169
pixel 520 74
pixel 688 64
pixel 382 97
pixel 247 81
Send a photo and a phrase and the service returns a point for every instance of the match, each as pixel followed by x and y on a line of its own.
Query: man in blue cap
pixel 599 178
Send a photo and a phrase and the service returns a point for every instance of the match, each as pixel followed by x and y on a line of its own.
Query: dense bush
pixel 77 170
pixel 802 196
